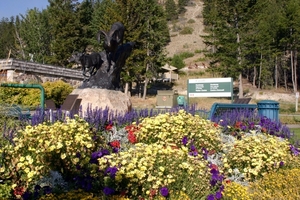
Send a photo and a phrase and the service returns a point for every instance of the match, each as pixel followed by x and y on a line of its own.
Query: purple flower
pixel 164 191
pixel 111 171
pixel 281 164
pixel 98 154
pixel 193 148
pixel 108 191
pixel 184 140
pixel 218 195
pixel 294 150
pixel 205 153
pixel 210 197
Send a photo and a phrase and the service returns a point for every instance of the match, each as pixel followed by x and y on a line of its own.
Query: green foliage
pixel 185 55
pixel 7 40
pixel 73 194
pixel 186 30
pixel 191 21
pixel 5 191
pixel 170 9
pixel 177 61
pixel 57 91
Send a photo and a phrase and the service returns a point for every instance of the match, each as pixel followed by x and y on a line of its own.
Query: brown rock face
pixel 96 98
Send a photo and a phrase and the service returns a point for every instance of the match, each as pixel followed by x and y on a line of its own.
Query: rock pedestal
pixel 95 98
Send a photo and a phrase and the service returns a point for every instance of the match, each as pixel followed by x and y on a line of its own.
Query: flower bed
pixel 170 155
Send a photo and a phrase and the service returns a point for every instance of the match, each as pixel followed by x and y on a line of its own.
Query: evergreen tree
pixel 65 29
pixel 171 11
pixel 146 25
pixel 7 40
pixel 34 32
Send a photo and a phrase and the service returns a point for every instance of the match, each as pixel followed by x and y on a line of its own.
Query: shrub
pixel 234 190
pixel 186 30
pixel 180 129
pixel 150 171
pixel 191 21
pixel 255 155
pixel 74 194
pixel 57 91
pixel 283 184
pixel 63 146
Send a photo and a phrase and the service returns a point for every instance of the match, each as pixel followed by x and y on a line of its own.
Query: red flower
pixel 115 144
pixel 131 137
pixel 108 127
pixel 238 125
pixel 19 191
pixel 264 130
pixel 228 181
pixel 216 125
pixel 213 166
pixel 153 192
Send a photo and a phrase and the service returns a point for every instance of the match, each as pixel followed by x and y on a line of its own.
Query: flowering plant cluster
pixel 256 154
pixel 150 170
pixel 171 128
pixel 174 155
pixel 237 122
pixel 63 146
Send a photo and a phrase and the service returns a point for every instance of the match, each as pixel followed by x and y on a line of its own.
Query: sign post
pixel 210 87
pixel 297 97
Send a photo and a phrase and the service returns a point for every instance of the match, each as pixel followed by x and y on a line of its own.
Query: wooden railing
pixel 41 69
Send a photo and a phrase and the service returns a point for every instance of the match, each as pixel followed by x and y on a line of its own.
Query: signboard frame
pixel 210 87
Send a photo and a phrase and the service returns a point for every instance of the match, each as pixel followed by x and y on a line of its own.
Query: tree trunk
pixel 146 82
pixel 276 73
pixel 126 88
pixel 292 70
pixel 285 80
pixel 241 90
pixel 295 71
pixel 254 77
pixel 260 68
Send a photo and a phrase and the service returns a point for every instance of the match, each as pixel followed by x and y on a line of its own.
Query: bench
pixel 217 108
pixel 242 100
pixel 15 111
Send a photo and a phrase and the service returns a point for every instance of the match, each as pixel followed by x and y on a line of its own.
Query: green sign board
pixel 210 87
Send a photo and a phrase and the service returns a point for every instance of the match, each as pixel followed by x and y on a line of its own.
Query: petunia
pixel 164 191
pixel 184 140
pixel 108 191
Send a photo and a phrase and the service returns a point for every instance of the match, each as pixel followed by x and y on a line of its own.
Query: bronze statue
pixel 105 67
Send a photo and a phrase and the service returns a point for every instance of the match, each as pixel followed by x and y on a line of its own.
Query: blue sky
pixel 10 8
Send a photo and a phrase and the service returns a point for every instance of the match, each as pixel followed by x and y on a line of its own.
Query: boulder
pixel 96 98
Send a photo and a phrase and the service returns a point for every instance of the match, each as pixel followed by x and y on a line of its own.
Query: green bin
pixel 269 109
pixel 166 98
pixel 181 101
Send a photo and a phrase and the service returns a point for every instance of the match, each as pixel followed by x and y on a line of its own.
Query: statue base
pixel 95 98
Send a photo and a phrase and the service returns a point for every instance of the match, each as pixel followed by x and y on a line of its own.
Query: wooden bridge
pixel 10 68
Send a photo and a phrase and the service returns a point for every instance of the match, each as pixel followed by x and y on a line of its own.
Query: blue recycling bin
pixel 181 101
pixel 269 109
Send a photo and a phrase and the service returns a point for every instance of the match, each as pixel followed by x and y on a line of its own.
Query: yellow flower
pixel 22 158
pixel 63 156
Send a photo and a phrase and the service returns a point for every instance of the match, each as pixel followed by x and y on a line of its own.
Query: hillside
pixel 192 18
pixel 191 43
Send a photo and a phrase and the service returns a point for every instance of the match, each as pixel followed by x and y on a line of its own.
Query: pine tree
pixel 65 30
pixel 171 11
